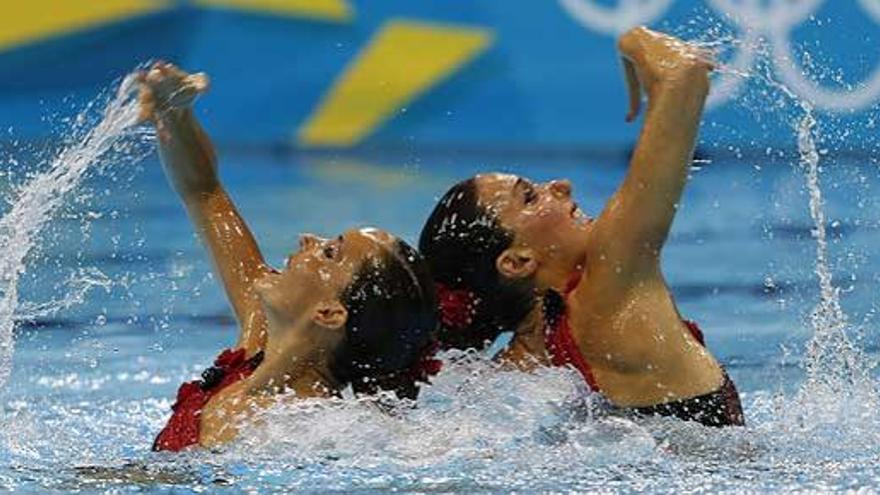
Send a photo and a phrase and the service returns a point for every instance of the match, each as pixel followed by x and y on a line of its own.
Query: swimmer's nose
pixel 561 188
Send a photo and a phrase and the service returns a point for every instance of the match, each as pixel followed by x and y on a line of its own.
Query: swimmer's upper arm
pixel 236 258
pixel 190 163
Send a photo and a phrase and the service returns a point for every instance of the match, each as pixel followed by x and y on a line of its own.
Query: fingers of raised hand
pixel 705 57
pixel 147 104
pixel 657 56
pixel 199 81
pixel 171 87
pixel 630 43
pixel 634 89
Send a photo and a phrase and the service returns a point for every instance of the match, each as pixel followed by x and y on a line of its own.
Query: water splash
pixel 36 201
pixel 833 363
pixel 74 289
pixel 835 367
pixel 499 426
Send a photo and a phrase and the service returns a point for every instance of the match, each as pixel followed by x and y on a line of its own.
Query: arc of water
pixel 729 83
pixel 42 196
pixel 834 365
pixel 753 20
pixel 865 93
pixel 777 22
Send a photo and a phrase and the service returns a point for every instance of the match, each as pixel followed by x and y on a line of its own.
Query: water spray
pixel 39 199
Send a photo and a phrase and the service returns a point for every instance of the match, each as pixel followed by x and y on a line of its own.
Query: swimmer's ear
pixel 516 263
pixel 330 314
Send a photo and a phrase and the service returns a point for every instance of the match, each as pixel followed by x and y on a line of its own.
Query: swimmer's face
pixel 542 216
pixel 315 276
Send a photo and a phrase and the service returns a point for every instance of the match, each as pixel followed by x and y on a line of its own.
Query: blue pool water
pixel 134 311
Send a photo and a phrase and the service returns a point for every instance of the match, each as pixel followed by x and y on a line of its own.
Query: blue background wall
pixel 547 76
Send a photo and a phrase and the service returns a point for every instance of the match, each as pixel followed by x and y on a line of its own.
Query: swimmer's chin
pixel 577 214
pixel 581 219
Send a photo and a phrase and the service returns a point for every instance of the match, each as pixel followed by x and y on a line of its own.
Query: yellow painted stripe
pixel 401 62
pixel 329 10
pixel 360 172
pixel 25 21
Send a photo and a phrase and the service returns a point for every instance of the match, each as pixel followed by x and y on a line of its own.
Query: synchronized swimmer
pixel 500 253
pixel 508 254
pixel 355 310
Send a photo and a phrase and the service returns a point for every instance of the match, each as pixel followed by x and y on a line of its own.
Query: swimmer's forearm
pixel 187 154
pixel 632 229
pixel 237 260
pixel 661 160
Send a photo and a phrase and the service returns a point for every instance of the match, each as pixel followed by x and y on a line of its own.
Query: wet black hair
pixel 461 241
pixel 392 320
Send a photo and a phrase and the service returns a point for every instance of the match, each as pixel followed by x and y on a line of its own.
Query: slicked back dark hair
pixel 461 241
pixel 392 319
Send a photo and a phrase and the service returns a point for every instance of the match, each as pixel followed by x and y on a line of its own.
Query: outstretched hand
pixel 652 60
pixel 164 87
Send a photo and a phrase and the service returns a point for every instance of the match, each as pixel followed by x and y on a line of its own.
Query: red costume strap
pixel 183 427
pixel 695 331
pixel 560 344
pixel 564 351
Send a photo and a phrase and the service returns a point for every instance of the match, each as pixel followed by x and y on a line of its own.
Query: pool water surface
pixel 93 381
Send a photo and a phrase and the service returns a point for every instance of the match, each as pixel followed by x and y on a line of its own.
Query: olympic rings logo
pixel 770 20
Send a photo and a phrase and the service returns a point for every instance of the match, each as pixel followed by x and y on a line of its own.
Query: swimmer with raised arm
pixel 355 310
pixel 509 254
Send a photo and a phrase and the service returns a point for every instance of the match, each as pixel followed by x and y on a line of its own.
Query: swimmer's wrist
pixel 196 185
pixel 690 84
pixel 173 123
pixel 174 115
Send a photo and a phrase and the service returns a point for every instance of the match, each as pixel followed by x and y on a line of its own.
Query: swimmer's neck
pixel 293 362
pixel 528 348
pixel 557 274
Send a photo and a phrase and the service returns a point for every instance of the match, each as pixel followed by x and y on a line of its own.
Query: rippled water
pixel 95 371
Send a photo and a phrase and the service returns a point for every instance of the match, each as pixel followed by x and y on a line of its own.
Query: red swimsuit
pixel 719 408
pixel 183 427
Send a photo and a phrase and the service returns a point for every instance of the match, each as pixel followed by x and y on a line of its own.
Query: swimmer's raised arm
pixel 630 232
pixel 190 163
